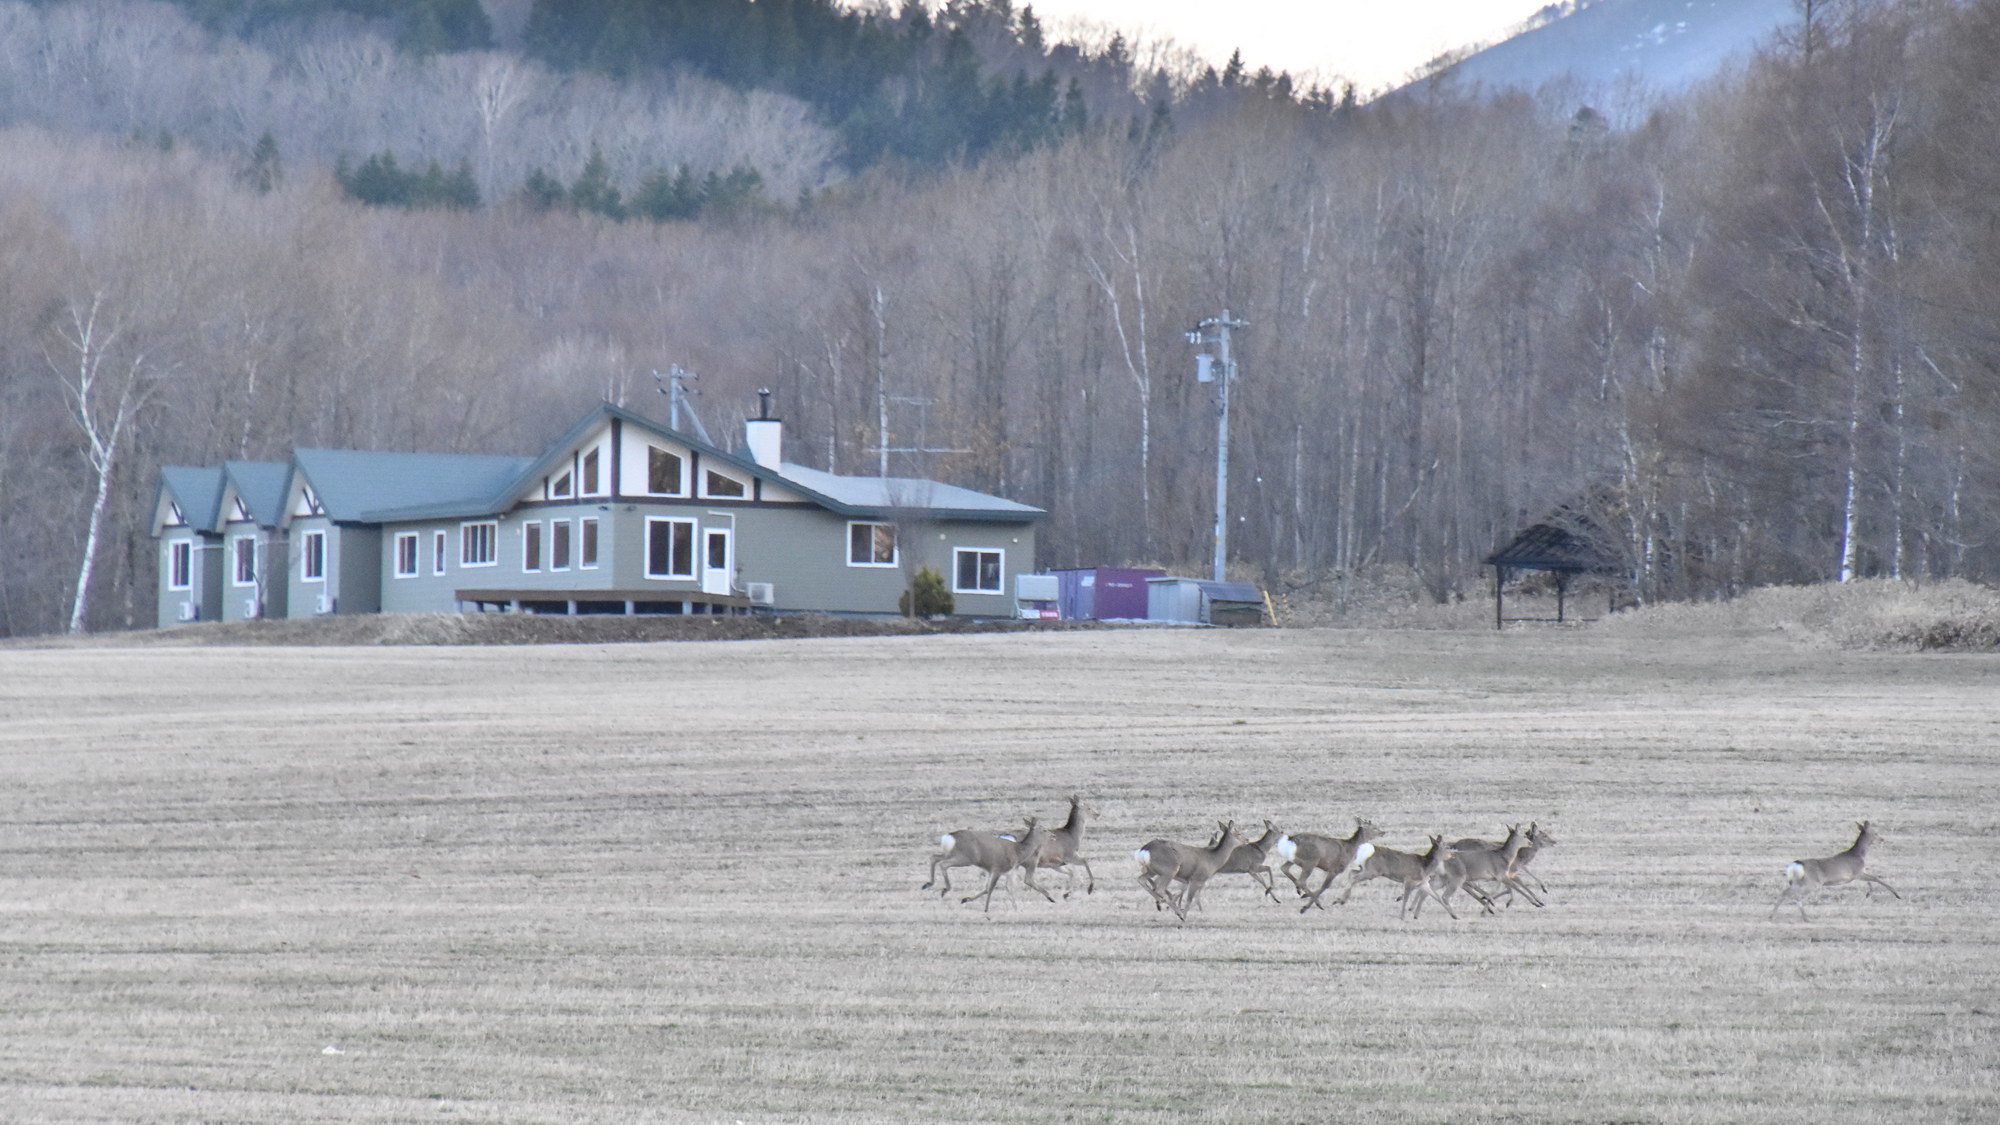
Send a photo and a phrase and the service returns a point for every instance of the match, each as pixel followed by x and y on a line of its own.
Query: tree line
pixel 1739 336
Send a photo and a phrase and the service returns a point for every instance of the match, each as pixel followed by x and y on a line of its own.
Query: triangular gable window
pixel 308 504
pixel 560 486
pixel 174 517
pixel 239 510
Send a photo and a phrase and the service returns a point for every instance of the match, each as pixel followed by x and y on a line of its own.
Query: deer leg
pixel 1028 877
pixel 1090 888
pixel 1873 882
pixel 987 894
pixel 1313 897
pixel 1291 870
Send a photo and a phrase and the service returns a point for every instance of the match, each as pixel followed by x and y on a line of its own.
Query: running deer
pixel 994 853
pixel 1306 853
pixel 1474 860
pixel 1064 846
pixel 1414 871
pixel 1162 862
pixel 1803 876
pixel 1252 858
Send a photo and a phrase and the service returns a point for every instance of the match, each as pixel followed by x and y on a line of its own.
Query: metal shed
pixel 1203 601
pixel 1104 593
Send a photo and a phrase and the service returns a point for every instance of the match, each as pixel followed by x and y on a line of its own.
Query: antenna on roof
pixel 674 385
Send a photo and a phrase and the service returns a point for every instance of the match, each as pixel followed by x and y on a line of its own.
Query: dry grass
pixel 678 882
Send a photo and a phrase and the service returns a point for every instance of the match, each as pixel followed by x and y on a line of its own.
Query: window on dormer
pixel 174 517
pixel 240 510
pixel 560 486
pixel 590 476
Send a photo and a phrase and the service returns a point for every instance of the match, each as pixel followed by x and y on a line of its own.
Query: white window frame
pixel 489 531
pixel 693 550
pixel 588 539
pixel 440 552
pixel 180 564
pixel 531 547
pixel 312 556
pixel 406 540
pixel 895 545
pixel 561 485
pixel 562 532
pixel 590 479
pixel 999 578
pixel 237 557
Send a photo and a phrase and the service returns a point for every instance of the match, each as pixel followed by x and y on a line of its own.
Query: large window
pixel 312 556
pixel 590 477
pixel 669 548
pixel 244 550
pixel 475 543
pixel 871 544
pixel 976 571
pixel 663 472
pixel 406 554
pixel 531 546
pixel 559 531
pixel 587 555
pixel 180 565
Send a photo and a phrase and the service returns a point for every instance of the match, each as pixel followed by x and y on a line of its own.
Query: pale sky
pixel 1373 42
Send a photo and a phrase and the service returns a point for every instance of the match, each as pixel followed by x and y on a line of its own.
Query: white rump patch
pixel 1142 855
pixel 1288 849
pixel 1361 855
pixel 946 842
pixel 1795 872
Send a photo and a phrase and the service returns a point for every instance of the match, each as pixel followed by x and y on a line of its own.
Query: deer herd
pixel 1174 874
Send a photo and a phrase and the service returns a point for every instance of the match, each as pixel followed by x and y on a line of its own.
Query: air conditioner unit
pixel 325 604
pixel 763 593
pixel 186 611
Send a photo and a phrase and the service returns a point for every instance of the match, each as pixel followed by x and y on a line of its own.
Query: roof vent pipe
pixel 764 434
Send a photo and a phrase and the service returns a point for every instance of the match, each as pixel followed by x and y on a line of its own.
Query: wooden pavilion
pixel 1550 548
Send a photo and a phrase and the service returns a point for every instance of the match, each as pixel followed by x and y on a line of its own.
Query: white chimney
pixel 764 434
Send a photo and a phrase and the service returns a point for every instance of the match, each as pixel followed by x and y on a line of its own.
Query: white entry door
pixel 718 561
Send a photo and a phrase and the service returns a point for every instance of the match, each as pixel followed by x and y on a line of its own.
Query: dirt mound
pixel 539 629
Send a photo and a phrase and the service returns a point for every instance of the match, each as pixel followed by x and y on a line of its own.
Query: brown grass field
pixel 679 882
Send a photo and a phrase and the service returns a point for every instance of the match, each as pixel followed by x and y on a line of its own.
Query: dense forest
pixel 1744 337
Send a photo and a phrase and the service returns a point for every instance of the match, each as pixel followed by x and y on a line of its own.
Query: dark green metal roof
pixel 367 487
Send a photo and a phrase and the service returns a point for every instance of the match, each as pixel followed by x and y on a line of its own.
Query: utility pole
pixel 1215 330
pixel 674 385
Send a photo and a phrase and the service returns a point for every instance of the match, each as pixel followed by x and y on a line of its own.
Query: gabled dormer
pixel 581 470
pixel 189 497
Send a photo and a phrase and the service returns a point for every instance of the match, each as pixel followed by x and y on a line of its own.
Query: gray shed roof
pixel 368 486
pixel 885 495
pixel 262 486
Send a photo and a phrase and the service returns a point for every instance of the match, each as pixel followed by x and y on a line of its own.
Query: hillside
pixel 1642 50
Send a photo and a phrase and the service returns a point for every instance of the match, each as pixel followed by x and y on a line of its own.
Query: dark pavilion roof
pixel 1546 546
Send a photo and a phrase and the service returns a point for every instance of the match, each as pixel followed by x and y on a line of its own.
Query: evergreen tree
pixel 267 167
pixel 593 190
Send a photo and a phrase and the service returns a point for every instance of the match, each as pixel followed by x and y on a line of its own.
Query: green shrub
pixel 927 596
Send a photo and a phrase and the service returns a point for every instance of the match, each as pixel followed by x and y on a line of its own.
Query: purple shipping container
pixel 1104 593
